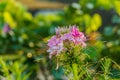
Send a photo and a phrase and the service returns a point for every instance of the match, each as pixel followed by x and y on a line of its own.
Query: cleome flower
pixel 75 36
pixel 55 44
pixel 72 34
pixel 6 28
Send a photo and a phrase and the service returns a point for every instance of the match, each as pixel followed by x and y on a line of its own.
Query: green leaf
pixel 108 31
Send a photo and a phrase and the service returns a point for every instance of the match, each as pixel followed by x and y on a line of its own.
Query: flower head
pixel 75 36
pixel 6 28
pixel 55 46
pixel 72 34
pixel 74 31
pixel 61 30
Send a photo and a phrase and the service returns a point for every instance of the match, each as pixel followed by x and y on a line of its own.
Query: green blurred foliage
pixel 98 19
pixel 18 71
pixel 23 41
pixel 20 21
pixel 98 16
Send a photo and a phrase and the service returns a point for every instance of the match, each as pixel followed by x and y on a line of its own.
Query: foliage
pixel 19 41
pixel 19 22
pixel 98 19
pixel 98 16
pixel 13 70
pixel 75 61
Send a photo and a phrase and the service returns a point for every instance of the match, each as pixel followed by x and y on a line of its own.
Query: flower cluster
pixel 6 28
pixel 73 34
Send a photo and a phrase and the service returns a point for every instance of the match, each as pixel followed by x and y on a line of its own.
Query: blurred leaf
pixel 75 5
pixel 97 20
pixel 94 23
pixel 87 19
pixel 58 73
pixel 5 69
pixel 91 51
pixel 28 16
pixel 107 4
pixel 116 19
pixel 2 6
pixel 8 19
pixel 115 73
pixel 117 6
pixel 40 57
pixel 108 31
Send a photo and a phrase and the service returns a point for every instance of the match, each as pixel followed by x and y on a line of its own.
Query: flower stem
pixel 75 71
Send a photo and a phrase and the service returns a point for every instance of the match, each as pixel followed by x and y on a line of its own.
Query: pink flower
pixel 72 34
pixel 75 36
pixel 55 46
pixel 6 28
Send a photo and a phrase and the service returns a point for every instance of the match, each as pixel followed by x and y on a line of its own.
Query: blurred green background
pixel 26 25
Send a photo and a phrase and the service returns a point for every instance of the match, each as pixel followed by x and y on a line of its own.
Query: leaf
pixel 26 76
pixel 2 6
pixel 40 57
pixel 91 51
pixel 108 31
pixel 9 19
pixel 96 22
pixel 117 6
pixel 115 73
pixel 58 73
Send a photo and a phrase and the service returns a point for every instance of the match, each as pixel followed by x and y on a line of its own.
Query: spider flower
pixel 75 36
pixel 55 44
pixel 72 34
pixel 6 28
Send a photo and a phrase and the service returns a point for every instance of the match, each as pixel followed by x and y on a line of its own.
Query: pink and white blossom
pixel 75 36
pixel 56 45
pixel 6 29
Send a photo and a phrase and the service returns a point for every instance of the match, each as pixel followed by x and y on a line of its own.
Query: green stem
pixel 75 71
